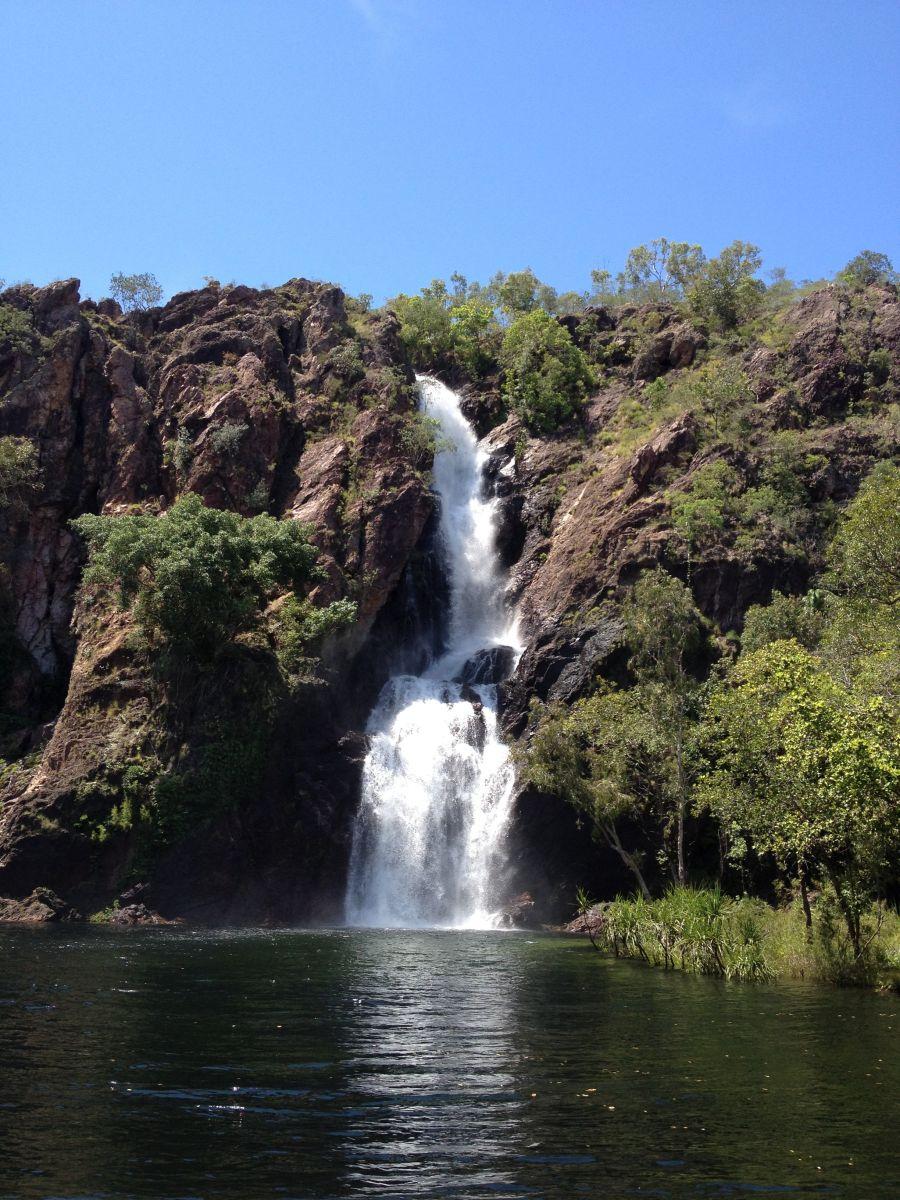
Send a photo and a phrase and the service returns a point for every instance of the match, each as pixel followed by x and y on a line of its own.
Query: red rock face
pixel 229 393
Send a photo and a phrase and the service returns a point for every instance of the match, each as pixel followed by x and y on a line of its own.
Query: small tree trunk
pixel 612 837
pixel 804 898
pixel 850 920
pixel 682 798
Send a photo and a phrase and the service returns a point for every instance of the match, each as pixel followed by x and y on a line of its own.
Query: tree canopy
pixel 547 376
pixel 809 770
pixel 195 576
pixel 135 293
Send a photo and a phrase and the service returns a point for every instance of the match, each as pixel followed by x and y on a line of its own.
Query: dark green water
pixel 160 1063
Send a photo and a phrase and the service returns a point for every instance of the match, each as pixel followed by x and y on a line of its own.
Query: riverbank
pixel 708 933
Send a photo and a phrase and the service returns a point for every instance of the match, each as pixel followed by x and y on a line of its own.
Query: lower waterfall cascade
pixel 437 780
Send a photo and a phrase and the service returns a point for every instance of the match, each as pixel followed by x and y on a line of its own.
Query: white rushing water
pixel 437 780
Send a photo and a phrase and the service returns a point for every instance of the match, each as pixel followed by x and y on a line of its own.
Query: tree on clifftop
pixel 135 293
pixel 547 376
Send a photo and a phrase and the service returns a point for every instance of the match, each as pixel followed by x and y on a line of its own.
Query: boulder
pixel 674 347
pixel 488 666
pixel 138 914
pixel 41 906
pixel 519 913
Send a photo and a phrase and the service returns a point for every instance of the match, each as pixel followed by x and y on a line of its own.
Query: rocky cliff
pixel 275 401
pixel 295 402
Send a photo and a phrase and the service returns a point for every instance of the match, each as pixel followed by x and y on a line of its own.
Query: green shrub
pixel 420 436
pixel 301 625
pixel 701 513
pixel 547 376
pixel 178 452
pixel 17 332
pixel 723 392
pixel 226 438
pixel 258 499
pixel 18 467
pixel 346 361
pixel 195 576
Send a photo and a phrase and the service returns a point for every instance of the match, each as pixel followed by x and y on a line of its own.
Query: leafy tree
pixel 862 643
pixel 661 270
pixel 802 619
pixel 572 303
pixel 425 326
pixel 865 553
pixel 18 467
pixel 17 332
pixel 473 326
pixel 195 576
pixel 781 289
pixel 522 292
pixel 866 268
pixel 668 637
pixel 595 756
pixel 547 376
pixel 810 771
pixel 726 292
pixel 602 288
pixel 135 293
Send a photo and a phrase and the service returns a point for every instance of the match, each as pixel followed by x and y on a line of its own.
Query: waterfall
pixel 437 780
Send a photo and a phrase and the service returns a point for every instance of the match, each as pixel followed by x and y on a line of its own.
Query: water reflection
pixel 162 1064
pixel 429 1061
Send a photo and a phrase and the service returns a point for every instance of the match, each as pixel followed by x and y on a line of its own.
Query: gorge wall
pixel 296 402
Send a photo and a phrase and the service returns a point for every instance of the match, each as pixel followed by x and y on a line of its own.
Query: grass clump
pixel 688 929
pixel 704 931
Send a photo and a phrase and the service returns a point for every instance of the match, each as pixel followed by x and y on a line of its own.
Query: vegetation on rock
pixel 18 467
pixel 792 749
pixel 547 376
pixel 719 489
pixel 195 576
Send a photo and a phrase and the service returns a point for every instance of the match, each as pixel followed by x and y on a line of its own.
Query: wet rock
pixel 561 665
pixel 41 906
pixel 138 914
pixel 519 913
pixel 488 666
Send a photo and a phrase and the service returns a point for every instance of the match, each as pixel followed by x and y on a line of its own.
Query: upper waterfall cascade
pixel 437 780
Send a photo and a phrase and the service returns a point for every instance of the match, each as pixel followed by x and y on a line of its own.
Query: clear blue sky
pixel 379 143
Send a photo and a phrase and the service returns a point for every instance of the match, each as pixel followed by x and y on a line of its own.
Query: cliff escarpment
pixel 281 402
pixel 723 460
